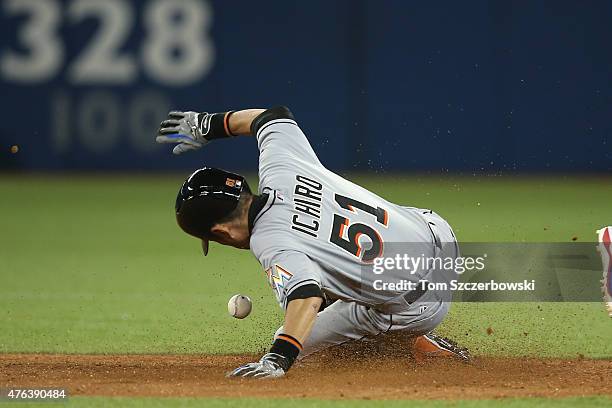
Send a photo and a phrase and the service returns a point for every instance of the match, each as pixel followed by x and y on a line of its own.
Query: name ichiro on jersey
pixel 307 196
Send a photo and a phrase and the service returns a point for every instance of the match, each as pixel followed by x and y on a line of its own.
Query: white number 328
pixel 175 49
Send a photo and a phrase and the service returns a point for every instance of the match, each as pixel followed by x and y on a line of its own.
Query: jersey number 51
pixel 356 229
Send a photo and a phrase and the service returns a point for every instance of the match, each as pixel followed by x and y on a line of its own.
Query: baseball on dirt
pixel 239 306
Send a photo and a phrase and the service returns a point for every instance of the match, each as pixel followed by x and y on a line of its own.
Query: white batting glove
pixel 186 129
pixel 269 366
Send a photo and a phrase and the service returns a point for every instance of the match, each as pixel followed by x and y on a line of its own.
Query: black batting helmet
pixel 207 196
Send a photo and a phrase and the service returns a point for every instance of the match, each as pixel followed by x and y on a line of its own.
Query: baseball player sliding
pixel 314 233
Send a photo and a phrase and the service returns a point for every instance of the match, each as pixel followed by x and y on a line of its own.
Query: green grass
pixel 311 403
pixel 99 266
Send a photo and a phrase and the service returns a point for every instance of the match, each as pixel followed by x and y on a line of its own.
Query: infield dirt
pixel 326 376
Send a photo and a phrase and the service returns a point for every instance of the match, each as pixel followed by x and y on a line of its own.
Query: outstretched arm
pixel 300 316
pixel 192 130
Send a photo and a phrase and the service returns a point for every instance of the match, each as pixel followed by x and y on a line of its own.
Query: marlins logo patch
pixel 278 278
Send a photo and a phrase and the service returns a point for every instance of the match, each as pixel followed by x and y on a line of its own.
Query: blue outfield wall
pixel 380 85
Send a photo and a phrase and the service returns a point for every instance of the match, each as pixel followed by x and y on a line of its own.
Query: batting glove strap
pixel 214 125
pixel 287 348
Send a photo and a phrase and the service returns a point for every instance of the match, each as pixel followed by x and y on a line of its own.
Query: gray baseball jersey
pixel 319 228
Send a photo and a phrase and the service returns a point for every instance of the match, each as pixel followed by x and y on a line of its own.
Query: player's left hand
pixel 269 366
pixel 186 129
